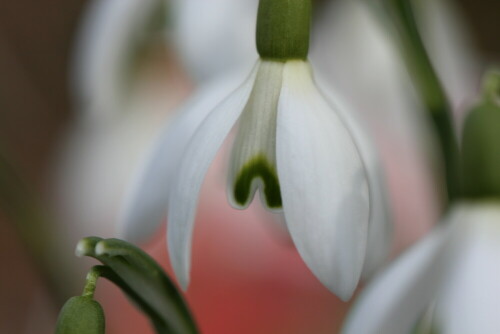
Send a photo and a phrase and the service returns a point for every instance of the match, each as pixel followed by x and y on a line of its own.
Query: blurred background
pixel 86 87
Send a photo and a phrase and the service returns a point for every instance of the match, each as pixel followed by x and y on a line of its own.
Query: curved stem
pixel 91 280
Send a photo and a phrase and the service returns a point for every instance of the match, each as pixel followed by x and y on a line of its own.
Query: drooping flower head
pixel 303 152
pixel 448 282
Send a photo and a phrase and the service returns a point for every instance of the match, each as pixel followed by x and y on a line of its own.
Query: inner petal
pixel 253 157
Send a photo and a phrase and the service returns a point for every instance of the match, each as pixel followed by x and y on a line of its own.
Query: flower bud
pixel 283 28
pixel 81 315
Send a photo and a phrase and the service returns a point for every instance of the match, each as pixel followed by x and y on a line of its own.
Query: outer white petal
pixel 104 46
pixel 380 228
pixel 145 206
pixel 451 48
pixel 398 297
pixel 197 157
pixel 323 183
pixel 471 292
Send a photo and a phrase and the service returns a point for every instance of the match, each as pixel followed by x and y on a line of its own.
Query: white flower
pixel 113 128
pixel 455 57
pixel 302 153
pixel 453 275
pixel 347 31
pixel 108 39
pixel 201 29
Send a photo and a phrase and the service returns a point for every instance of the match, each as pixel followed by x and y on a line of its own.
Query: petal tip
pixel 344 291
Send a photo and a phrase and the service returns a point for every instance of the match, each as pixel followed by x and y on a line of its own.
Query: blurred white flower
pixel 214 37
pixel 452 275
pixel 112 37
pixel 125 83
pixel 163 159
pixel 357 56
pixel 354 54
pixel 96 162
pixel 303 154
pixel 452 50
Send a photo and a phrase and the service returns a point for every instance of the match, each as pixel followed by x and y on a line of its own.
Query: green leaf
pixel 156 320
pixel 144 281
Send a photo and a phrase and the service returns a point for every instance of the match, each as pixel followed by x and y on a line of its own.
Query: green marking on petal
pixel 258 167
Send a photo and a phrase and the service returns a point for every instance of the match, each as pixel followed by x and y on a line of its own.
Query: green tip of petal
pixel 258 167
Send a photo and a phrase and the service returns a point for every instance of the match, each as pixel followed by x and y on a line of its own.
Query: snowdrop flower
pixel 201 29
pixel 452 275
pixel 114 125
pixel 451 48
pixel 303 153
pixel 111 36
pixel 96 162
pixel 378 86
pixel 350 31
pixel 453 270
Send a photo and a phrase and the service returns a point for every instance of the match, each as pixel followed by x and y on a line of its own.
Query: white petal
pixel 323 183
pixel 471 296
pixel 145 206
pixel 448 39
pixel 380 228
pixel 197 157
pixel 253 158
pixel 397 298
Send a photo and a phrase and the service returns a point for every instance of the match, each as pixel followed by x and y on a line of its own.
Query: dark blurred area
pixel 36 41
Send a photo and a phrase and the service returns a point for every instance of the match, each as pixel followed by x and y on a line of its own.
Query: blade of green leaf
pixel 155 318
pixel 146 280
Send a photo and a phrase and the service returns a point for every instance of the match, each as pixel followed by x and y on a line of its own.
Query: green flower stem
pixel 91 281
pixel 480 144
pixel 283 29
pixel 491 88
pixel 399 18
